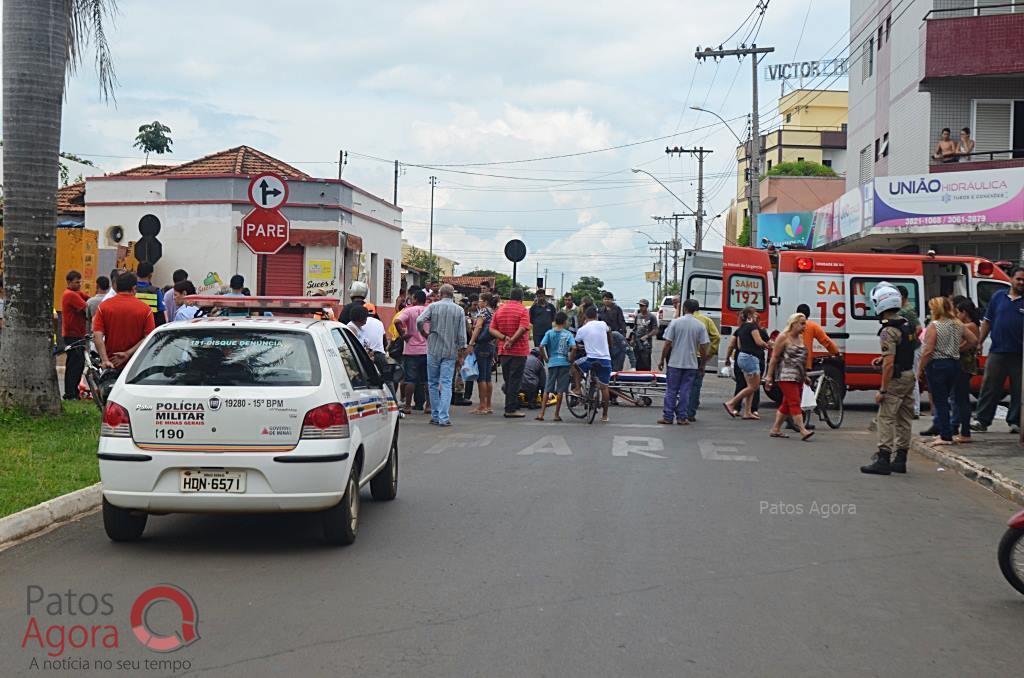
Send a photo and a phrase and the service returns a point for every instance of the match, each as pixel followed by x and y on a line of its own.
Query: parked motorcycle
pixel 1011 553
pixel 98 381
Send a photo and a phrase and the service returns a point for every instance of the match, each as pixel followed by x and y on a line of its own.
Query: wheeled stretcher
pixel 638 388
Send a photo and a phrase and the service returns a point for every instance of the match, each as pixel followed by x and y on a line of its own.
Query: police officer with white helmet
pixel 895 397
pixel 357 292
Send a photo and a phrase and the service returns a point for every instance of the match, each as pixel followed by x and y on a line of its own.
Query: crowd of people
pixel 543 352
pixel 445 349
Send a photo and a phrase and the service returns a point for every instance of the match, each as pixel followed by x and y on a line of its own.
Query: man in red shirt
pixel 121 324
pixel 72 329
pixel 509 326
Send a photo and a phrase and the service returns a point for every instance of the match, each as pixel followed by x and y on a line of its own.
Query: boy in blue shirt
pixel 558 350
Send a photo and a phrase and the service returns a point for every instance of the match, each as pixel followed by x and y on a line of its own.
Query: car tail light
pixel 661 314
pixel 805 264
pixel 326 421
pixel 986 268
pixel 116 423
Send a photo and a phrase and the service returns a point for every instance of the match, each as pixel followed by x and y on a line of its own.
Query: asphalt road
pixel 525 549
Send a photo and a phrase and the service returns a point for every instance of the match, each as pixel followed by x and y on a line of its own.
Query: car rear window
pixel 228 357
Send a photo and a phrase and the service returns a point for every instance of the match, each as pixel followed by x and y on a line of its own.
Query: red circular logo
pixel 188 633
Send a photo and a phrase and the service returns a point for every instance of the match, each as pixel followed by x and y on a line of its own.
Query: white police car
pixel 247 414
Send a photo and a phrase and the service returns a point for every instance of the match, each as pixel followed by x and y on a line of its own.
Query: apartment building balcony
pixel 986 160
pixel 978 38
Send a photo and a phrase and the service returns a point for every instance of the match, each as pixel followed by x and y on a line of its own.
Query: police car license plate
pixel 202 480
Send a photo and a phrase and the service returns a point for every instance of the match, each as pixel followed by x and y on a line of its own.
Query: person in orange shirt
pixel 815 333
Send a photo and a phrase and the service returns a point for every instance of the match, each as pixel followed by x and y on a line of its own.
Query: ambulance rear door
pixel 702 280
pixel 748 280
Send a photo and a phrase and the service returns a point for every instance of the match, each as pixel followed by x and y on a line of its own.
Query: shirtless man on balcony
pixel 946 150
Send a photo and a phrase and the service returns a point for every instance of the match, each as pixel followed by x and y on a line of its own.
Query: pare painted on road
pixel 646 447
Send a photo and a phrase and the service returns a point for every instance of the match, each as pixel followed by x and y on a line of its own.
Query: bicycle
pixel 826 380
pixel 588 402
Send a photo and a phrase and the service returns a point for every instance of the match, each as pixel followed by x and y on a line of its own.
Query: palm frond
pixel 87 22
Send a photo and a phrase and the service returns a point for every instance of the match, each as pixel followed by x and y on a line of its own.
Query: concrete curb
pixel 994 481
pixel 60 509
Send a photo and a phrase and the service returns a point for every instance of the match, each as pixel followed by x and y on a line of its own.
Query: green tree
pixel 44 42
pixel 424 260
pixel 502 282
pixel 153 138
pixel 588 286
pixel 801 168
pixel 743 239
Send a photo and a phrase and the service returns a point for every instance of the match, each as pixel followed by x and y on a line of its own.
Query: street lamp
pixel 753 182
pixel 727 125
pixel 635 170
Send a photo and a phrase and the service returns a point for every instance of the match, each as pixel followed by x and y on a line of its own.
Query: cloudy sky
pixel 448 86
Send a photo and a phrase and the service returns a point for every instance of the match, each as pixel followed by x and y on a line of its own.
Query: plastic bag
pixel 469 370
pixel 807 400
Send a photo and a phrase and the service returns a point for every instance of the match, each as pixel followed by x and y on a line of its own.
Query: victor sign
pixel 806 69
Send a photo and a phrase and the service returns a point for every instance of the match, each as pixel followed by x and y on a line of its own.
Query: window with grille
pixel 388 277
pixel 866 166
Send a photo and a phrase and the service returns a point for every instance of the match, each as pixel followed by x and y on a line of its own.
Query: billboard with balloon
pixel 788 229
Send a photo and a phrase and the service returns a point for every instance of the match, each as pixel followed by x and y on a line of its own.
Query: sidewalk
pixel 995 459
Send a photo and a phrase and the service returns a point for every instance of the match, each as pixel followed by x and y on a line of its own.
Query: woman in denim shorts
pixel 751 341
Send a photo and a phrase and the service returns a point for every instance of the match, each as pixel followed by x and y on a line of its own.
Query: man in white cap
pixel 895 396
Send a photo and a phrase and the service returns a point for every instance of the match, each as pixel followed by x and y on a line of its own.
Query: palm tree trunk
pixel 34 60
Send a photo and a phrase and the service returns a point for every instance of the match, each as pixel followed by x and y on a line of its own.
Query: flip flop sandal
pixel 777 435
pixel 556 419
pixel 730 412
pixel 807 437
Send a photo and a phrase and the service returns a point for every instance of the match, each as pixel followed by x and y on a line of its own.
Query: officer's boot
pixel 899 462
pixel 880 466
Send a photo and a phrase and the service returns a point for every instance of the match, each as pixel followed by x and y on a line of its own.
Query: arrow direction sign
pixel 268 191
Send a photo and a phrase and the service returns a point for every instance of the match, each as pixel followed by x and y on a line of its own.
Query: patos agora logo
pixel 66 621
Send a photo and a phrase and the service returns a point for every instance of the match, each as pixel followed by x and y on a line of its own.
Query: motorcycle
pixel 1011 553
pixel 98 381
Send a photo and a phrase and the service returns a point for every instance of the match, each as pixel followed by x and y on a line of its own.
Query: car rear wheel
pixel 384 486
pixel 122 524
pixel 341 522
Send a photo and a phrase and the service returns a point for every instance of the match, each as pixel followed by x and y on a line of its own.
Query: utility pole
pixel 342 161
pixel 698 241
pixel 675 245
pixel 430 258
pixel 563 285
pixel 395 201
pixel 753 182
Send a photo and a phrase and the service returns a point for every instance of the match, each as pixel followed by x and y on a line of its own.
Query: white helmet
pixel 358 289
pixel 885 297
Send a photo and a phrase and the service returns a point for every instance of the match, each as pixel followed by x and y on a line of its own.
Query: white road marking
pixel 720 450
pixel 623 446
pixel 549 445
pixel 601 424
pixel 459 440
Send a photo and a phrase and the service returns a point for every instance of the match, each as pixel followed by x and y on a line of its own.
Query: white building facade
pixel 338 232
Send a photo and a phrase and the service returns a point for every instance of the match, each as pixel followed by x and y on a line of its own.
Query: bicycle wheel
pixel 577 404
pixel 593 397
pixel 830 402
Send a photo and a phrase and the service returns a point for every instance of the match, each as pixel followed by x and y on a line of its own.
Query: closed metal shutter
pixel 992 124
pixel 284 271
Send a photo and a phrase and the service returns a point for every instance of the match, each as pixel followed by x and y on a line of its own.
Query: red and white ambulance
pixel 837 286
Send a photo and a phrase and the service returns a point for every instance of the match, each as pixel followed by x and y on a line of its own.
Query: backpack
pixel 905 348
